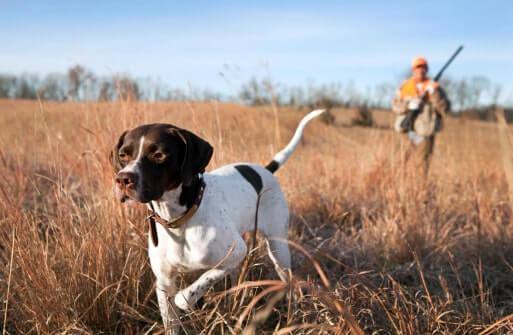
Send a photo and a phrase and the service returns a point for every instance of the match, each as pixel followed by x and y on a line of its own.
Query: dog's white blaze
pixel 133 166
pixel 139 154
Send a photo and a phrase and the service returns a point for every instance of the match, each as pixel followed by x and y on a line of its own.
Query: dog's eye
pixel 123 156
pixel 158 156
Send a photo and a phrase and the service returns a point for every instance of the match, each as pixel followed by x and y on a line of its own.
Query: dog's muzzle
pixel 126 185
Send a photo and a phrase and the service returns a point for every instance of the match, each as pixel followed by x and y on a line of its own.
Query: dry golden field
pixel 375 246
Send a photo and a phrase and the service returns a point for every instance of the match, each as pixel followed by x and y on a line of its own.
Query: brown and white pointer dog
pixel 199 218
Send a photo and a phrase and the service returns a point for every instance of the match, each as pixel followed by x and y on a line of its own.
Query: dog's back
pixel 239 187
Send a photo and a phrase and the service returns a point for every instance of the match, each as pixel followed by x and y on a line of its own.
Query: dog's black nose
pixel 126 179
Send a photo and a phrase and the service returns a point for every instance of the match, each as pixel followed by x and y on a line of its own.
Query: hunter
pixel 420 93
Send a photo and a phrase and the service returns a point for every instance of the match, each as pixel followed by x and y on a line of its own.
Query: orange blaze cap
pixel 419 61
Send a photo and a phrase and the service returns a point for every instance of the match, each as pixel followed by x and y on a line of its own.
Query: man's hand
pixel 414 104
pixel 431 87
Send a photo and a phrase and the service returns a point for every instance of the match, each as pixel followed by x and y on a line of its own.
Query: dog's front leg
pixel 166 289
pixel 228 257
pixel 187 298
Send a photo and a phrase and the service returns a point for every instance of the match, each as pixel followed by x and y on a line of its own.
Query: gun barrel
pixel 439 74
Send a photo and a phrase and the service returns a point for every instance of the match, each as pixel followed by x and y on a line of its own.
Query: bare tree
pixel 496 91
pixel 7 86
pixel 26 87
pixel 106 91
pixel 75 79
pixel 53 87
pixel 383 94
pixel 478 86
pixel 127 89
pixel 255 92
pixel 462 93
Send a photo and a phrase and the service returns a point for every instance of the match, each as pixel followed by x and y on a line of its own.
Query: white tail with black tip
pixel 281 157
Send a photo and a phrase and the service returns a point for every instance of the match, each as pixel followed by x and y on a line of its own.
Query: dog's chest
pixel 172 254
pixel 227 210
pixel 197 247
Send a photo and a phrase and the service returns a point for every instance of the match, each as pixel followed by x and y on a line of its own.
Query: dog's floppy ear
pixel 114 157
pixel 197 155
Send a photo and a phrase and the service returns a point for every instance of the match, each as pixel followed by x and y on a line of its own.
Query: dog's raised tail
pixel 281 157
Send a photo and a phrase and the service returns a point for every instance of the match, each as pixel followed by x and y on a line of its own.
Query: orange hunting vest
pixel 411 89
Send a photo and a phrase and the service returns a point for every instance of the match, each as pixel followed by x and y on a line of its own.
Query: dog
pixel 198 218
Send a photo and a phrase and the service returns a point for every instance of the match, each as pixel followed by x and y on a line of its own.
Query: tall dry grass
pixel 375 247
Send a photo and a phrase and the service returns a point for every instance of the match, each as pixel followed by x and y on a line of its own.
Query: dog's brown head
pixel 155 158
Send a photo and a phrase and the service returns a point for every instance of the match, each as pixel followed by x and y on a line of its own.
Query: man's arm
pixel 438 99
pixel 399 105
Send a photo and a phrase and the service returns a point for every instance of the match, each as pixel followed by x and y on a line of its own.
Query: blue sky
pixel 296 42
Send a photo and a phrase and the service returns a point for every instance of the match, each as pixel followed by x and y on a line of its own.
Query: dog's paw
pixel 182 302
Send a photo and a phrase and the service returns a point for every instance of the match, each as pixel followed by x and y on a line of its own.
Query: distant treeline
pixel 80 84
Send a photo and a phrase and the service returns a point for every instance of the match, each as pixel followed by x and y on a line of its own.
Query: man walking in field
pixel 423 97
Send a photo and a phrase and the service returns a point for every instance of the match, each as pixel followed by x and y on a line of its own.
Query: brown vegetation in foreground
pixel 399 255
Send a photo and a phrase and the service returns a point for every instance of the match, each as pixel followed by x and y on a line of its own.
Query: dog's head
pixel 154 158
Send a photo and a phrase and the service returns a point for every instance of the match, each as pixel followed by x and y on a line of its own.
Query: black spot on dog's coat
pixel 251 176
